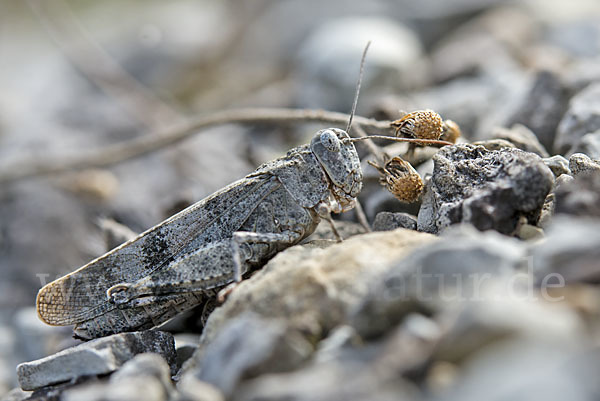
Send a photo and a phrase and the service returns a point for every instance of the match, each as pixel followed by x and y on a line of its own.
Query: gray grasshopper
pixel 183 261
pixel 187 259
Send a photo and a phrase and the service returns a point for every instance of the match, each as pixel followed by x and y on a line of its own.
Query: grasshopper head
pixel 340 161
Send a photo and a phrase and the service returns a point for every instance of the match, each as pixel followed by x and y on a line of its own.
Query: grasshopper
pixel 188 258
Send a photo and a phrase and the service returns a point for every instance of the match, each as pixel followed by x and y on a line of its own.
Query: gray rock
pixel 580 163
pixel 146 366
pixel 529 232
pixel 563 180
pixel 380 200
pixel 498 348
pixel 328 282
pixel 495 144
pixel 571 251
pixel 185 346
pixel 145 377
pixel 504 314
pixel 528 369
pixel 549 205
pixel 579 196
pixel 542 109
pixel 247 347
pixel 374 370
pixel 446 271
pixel 558 164
pixel 589 145
pixel 387 221
pixel 489 189
pixel 96 357
pixel 522 138
pixel 582 117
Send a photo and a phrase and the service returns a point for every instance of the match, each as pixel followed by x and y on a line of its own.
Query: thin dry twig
pixel 372 146
pixel 146 144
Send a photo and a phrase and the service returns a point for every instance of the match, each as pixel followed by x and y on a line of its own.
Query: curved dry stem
pixel 146 144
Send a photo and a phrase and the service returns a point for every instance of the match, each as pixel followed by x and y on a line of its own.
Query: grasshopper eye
pixel 330 141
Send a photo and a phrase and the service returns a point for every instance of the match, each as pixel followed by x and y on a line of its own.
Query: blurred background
pixel 76 77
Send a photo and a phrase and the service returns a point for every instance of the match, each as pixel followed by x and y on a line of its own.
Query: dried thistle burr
pixel 401 179
pixel 420 124
pixel 451 131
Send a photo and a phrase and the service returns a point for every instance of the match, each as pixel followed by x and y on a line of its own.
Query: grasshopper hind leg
pixel 251 238
pixel 143 316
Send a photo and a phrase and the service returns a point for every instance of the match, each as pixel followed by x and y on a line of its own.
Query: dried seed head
pixel 451 131
pixel 421 124
pixel 401 179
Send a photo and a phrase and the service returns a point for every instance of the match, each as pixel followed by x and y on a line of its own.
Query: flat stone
pixel 489 189
pixel 388 221
pixel 96 357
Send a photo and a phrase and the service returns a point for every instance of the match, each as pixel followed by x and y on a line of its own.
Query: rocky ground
pixel 485 287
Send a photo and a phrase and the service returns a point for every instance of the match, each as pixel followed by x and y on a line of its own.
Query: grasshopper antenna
pixel 360 76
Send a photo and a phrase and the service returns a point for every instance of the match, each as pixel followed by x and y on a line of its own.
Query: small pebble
pixel 580 163
pixel 558 164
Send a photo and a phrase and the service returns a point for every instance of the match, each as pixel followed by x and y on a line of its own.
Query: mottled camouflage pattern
pixel 183 261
